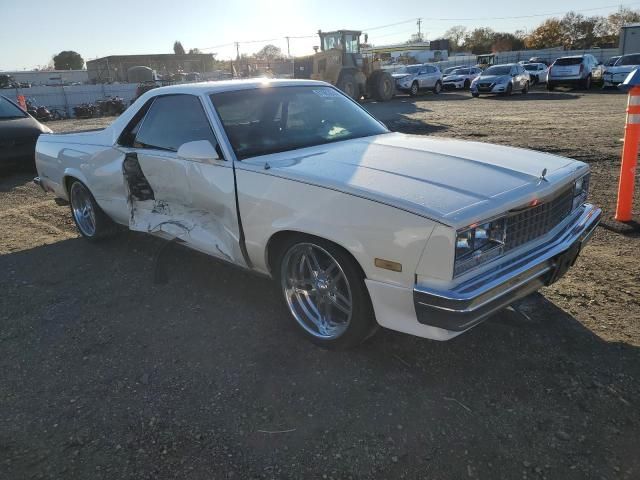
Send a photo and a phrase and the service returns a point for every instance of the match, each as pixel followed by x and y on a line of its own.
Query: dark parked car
pixel 18 134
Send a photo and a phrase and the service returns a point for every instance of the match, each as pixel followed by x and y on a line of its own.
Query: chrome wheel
pixel 82 207
pixel 414 88
pixel 317 291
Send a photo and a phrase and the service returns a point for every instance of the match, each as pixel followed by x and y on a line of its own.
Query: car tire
pixel 509 91
pixel 437 88
pixel 304 264
pixel 415 89
pixel 382 86
pixel 467 84
pixel 475 94
pixel 525 90
pixel 586 84
pixel 550 86
pixel 348 85
pixel 91 221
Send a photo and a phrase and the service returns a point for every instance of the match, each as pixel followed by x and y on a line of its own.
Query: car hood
pixel 398 76
pixel 453 77
pixel 492 78
pixel 452 181
pixel 622 69
pixel 19 128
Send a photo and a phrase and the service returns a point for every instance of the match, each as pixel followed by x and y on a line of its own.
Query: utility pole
pixel 419 23
pixel 237 50
pixel 288 51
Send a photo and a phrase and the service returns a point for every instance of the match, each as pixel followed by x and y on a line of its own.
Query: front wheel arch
pixel 273 250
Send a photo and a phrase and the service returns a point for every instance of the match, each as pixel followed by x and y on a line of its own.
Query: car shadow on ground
pixel 397 116
pixel 532 95
pixel 105 369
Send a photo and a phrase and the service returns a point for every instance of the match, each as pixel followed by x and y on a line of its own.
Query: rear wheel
pixel 467 84
pixel 550 86
pixel 475 94
pixel 438 87
pixel 586 84
pixel 324 290
pixel 525 90
pixel 91 221
pixel 348 85
pixel 414 89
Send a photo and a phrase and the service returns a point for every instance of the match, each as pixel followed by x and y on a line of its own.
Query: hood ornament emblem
pixel 543 177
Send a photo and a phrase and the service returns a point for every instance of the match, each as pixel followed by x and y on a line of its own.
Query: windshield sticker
pixel 327 93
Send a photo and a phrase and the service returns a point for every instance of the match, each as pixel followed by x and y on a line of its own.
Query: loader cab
pixel 346 40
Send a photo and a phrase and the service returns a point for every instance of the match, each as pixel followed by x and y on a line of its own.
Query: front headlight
pixel 479 243
pixel 580 190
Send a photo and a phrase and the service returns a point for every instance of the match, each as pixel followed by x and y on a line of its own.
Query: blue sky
pixel 33 31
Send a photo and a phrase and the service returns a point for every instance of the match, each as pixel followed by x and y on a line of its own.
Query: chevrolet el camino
pixel 360 227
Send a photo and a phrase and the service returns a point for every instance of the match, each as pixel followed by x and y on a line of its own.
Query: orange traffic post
pixel 629 157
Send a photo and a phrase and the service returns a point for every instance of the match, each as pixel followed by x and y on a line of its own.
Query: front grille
pixel 537 221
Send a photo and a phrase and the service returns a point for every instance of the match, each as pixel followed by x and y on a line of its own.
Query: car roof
pixel 200 88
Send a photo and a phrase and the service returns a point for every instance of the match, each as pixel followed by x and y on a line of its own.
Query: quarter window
pixel 172 121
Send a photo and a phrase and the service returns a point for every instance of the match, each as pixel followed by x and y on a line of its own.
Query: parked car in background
pixel 359 227
pixel 448 70
pixel 612 61
pixel 503 79
pixel 575 71
pixel 615 75
pixel 537 72
pixel 414 78
pixel 19 132
pixel 538 60
pixel 460 78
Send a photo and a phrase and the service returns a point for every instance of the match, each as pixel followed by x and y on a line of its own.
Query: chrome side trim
pixel 474 300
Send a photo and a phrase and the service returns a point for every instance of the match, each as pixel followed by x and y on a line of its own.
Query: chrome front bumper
pixel 475 299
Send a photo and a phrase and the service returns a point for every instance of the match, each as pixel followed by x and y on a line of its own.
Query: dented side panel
pixel 184 200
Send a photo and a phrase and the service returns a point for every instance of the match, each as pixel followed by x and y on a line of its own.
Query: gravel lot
pixel 107 374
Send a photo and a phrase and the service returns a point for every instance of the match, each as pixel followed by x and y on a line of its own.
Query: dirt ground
pixel 106 374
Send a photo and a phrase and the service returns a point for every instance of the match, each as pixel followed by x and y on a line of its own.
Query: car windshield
pixel 612 61
pixel 412 69
pixel 498 70
pixel 9 110
pixel 628 60
pixel 460 71
pixel 531 66
pixel 277 119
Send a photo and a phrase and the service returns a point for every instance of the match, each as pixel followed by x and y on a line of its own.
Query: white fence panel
pixel 65 98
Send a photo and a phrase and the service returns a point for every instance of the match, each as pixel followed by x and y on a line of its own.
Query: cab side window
pixel 173 120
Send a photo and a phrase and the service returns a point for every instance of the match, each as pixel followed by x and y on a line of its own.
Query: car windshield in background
pixel 628 60
pixel 569 61
pixel 498 70
pixel 412 69
pixel 461 71
pixel 9 110
pixel 277 119
pixel 531 66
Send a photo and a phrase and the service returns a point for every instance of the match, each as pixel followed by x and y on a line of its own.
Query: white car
pixel 360 227
pixel 460 78
pixel 615 75
pixel 537 72
pixel 414 78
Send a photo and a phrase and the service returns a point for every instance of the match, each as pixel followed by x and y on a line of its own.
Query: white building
pixel 53 77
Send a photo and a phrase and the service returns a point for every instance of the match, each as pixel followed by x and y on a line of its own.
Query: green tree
pixel 194 51
pixel 549 33
pixel 506 42
pixel 455 35
pixel 479 40
pixel 178 49
pixel 269 53
pixel 68 60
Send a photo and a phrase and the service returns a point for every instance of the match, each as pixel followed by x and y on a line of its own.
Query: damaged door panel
pixel 162 201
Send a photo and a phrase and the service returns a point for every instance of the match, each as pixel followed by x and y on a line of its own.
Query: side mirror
pixel 198 151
